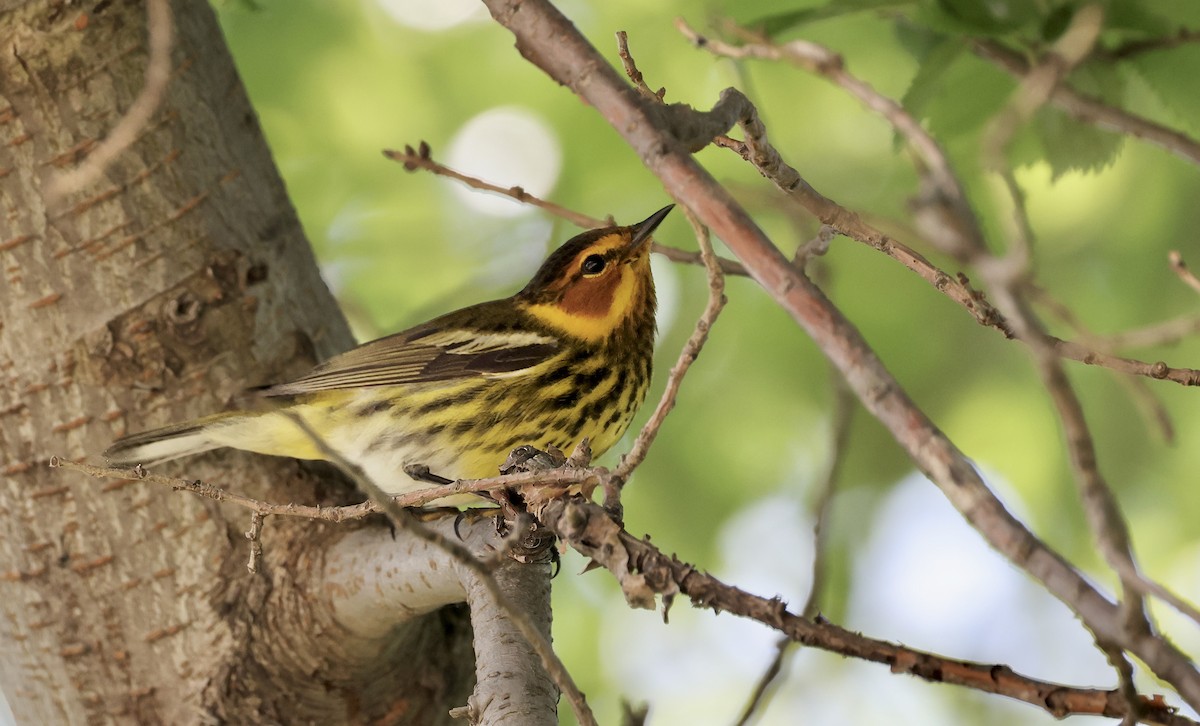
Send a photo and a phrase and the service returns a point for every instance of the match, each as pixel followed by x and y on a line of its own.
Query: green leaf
pixel 1141 17
pixel 778 23
pixel 927 84
pixel 1122 18
pixel 1056 22
pixel 1172 75
pixel 971 17
pixel 1069 145
pixel 1099 79
pixel 960 93
pixel 918 40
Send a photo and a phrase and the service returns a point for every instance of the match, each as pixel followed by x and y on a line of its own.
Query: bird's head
pixel 597 283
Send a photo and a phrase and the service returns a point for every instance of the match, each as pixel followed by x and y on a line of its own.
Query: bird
pixel 567 357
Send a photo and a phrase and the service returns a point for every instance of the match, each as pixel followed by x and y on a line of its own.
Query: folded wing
pixel 436 351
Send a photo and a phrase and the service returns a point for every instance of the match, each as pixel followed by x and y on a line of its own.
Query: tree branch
pixel 1091 110
pixel 945 230
pixel 643 571
pixel 687 356
pixel 1125 51
pixel 550 41
pixel 1005 277
pixel 843 410
pixel 1180 267
pixel 421 158
pixel 417 498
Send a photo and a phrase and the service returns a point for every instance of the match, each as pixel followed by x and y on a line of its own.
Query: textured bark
pixel 157 294
pixel 512 687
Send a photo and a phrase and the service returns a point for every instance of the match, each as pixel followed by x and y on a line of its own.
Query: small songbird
pixel 565 358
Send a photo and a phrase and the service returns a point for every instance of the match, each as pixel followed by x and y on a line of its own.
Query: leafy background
pixel 729 484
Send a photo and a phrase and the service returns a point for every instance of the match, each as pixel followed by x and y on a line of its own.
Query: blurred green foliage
pixel 335 83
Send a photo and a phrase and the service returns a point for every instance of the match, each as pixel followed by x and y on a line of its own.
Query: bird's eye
pixel 593 265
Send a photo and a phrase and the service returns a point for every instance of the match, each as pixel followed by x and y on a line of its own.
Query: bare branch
pixel 574 525
pixel 632 71
pixel 1180 267
pixel 947 189
pixel 420 158
pixel 519 481
pixel 1184 36
pixel 1093 111
pixel 962 236
pixel 687 356
pixel 663 142
pixel 771 165
pixel 842 415
pixel 1005 280
pixel 587 528
pixel 766 682
pixel 254 535
pixel 1148 404
pixel 940 228
pixel 1157 370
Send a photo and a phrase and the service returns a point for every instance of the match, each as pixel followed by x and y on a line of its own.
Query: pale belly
pixel 386 432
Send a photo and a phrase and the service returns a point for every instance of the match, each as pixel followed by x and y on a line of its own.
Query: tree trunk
pixel 157 294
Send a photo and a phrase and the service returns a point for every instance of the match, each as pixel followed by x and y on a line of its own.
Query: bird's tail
pixel 172 442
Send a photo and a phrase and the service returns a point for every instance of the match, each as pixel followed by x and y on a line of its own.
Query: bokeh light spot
pixel 441 15
pixel 505 145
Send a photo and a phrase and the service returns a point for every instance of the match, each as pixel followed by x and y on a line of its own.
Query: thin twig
pixel 1130 49
pixel 758 151
pixel 770 164
pixel 946 189
pixel 254 534
pixel 1168 332
pixel 160 31
pixel 815 247
pixel 842 416
pixel 548 39
pixel 416 498
pixel 631 69
pixel 590 530
pixel 1157 370
pixel 687 356
pixel 1005 280
pixel 1180 267
pixel 1143 397
pixel 1150 588
pixel 766 682
pixel 691 349
pixel 420 158
pixel 1090 110
pixel 1125 685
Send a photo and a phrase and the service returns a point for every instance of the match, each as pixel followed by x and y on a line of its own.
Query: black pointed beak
pixel 643 230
